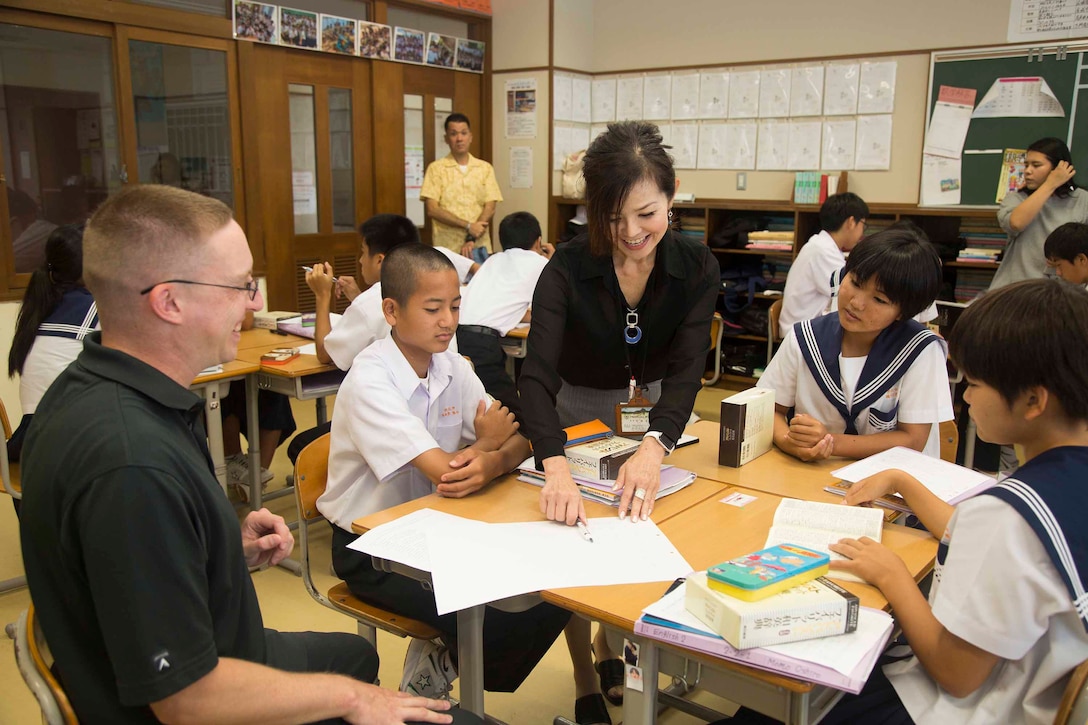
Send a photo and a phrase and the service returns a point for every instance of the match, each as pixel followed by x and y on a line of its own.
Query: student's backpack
pixel 573 183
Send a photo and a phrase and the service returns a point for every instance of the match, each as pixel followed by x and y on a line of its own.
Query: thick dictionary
pixel 747 427
pixel 600 459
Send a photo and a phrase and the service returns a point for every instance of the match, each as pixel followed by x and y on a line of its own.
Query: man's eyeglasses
pixel 251 287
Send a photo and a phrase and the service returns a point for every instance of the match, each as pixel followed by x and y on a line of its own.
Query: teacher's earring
pixel 670 216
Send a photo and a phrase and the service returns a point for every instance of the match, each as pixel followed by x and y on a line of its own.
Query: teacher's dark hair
pixel 1055 150
pixel 619 158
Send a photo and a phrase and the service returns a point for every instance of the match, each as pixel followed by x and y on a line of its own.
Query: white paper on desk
pixel 714 95
pixel 309 349
pixel 873 150
pixel 774 93
pixel 1019 97
pixel 404 540
pixel 685 96
pixel 842 653
pixel 947 481
pixel 495 561
pixel 603 100
pixel 942 179
pixel 841 89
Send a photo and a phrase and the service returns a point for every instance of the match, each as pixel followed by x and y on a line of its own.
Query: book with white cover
pixel 816 525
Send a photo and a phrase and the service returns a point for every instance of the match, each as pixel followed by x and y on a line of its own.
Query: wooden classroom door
pixel 311 154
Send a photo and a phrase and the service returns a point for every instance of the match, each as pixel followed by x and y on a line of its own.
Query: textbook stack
pixel 982 247
pixel 692 224
pixel 672 480
pixel 768 241
pixel 971 283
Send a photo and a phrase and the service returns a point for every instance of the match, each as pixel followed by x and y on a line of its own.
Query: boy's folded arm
pixel 435 463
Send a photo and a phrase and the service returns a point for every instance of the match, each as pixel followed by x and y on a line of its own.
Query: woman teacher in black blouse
pixel 630 300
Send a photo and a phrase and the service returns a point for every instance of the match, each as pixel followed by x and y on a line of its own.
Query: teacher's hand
pixel 560 499
pixel 640 478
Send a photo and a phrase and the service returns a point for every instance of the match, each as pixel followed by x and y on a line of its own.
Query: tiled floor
pixel 548 692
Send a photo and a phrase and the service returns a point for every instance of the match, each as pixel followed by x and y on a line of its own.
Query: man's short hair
pixel 386 232
pixel 402 267
pixel 1027 334
pixel 144 235
pixel 456 118
pixel 1067 241
pixel 839 207
pixel 519 230
pixel 906 268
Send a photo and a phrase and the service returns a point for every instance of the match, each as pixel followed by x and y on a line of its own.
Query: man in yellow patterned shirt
pixel 460 193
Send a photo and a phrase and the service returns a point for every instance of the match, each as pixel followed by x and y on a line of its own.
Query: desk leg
pixel 640 708
pixel 213 417
pixel 470 658
pixel 321 410
pixel 253 432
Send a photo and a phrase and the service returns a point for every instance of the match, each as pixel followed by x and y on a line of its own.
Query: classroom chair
pixel 34 660
pixel 311 477
pixel 773 314
pixel 950 440
pixel 9 476
pixel 716 329
pixel 1074 706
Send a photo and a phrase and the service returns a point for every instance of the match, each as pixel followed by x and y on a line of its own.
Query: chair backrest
pixel 4 421
pixel 311 476
pixel 950 440
pixel 1074 705
pixel 9 473
pixel 773 314
pixel 34 660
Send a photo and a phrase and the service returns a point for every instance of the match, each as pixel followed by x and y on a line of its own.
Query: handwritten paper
pixel 1029 97
pixel 804 149
pixel 945 480
pixel 744 94
pixel 629 98
pixel 807 91
pixel 841 89
pixel 874 143
pixel 942 179
pixel 656 103
pixel 684 139
pixel 685 96
pixel 562 99
pixel 521 167
pixel 740 144
pixel 714 95
pixel 774 93
pixel 773 146
pixel 876 87
pixel 838 144
pixel 581 99
pixel 949 121
pixel 603 100
pixel 712 146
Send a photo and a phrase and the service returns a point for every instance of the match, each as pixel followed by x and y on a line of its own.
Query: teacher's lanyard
pixel 632 335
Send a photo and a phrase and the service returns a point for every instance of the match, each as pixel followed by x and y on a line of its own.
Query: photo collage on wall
pixel 275 25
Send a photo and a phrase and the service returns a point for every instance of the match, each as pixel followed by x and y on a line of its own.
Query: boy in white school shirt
pixel 867 377
pixel 363 322
pixel 809 283
pixel 498 298
pixel 411 419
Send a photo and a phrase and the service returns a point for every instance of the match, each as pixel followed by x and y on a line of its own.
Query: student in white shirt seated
pixel 411 419
pixel 808 285
pixel 363 322
pixel 868 377
pixel 498 298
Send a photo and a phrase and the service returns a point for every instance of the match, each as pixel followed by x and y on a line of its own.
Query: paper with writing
pixel 817 525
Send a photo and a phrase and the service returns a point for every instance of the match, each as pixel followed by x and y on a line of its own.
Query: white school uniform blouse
pixel 502 289
pixel 461 263
pixel 386 416
pixel 362 323
pixel 998 589
pixel 808 285
pixel 920 396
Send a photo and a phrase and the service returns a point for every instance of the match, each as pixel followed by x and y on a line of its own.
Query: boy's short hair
pixel 906 268
pixel 839 207
pixel 1067 241
pixel 456 118
pixel 1027 334
pixel 402 267
pixel 386 232
pixel 519 230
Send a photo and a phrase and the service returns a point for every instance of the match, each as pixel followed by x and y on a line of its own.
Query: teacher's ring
pixel 640 493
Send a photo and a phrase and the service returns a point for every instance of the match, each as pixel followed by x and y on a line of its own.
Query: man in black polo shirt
pixel 133 554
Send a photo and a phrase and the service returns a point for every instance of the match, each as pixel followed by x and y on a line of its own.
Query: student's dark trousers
pixel 481 346
pixel 513 641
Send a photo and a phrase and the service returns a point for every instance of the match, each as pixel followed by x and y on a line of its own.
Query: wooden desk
pixel 515 344
pixel 503 501
pixel 707 533
pixel 304 378
pixel 212 388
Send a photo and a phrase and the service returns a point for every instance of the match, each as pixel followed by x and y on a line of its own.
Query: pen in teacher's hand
pixel 585 532
pixel 311 269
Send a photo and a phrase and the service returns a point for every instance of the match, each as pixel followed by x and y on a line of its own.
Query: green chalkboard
pixel 980 171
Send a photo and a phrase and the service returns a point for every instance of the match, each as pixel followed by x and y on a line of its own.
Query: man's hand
pixel 477 229
pixel 377 706
pixel 266 539
pixel 493 426
pixel 473 469
pixel 319 279
pixel 347 286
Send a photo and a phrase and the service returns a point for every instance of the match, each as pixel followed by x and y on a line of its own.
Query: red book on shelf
pixel 823 188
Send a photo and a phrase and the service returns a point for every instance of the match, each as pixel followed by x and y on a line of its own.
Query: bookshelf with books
pixel 719 223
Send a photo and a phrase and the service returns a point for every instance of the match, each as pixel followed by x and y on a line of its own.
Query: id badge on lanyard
pixel 633 417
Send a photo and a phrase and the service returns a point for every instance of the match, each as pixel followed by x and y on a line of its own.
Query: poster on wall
pixel 337 35
pixel 298 28
pixel 440 50
pixel 470 55
pixel 375 41
pixel 1011 177
pixel 521 108
pixel 408 45
pixel 521 167
pixel 254 21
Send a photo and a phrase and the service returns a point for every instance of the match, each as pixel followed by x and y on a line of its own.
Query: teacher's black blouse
pixel 577 335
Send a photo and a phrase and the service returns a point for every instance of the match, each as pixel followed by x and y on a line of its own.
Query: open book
pixel 817 525
pixel 947 481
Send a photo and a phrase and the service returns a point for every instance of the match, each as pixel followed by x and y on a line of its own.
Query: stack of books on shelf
pixel 691 224
pixel 971 283
pixel 982 247
pixel 812 187
pixel 768 241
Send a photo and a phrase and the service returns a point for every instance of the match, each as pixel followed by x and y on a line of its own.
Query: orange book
pixel 585 432
pixel 279 356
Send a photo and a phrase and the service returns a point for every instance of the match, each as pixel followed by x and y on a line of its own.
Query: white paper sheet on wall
pixel 876 88
pixel 804 150
pixel 563 104
pixel 1019 97
pixel 774 93
pixel 838 145
pixel 656 102
pixel 773 145
pixel 744 94
pixel 581 99
pixel 685 96
pixel 807 91
pixel 560 146
pixel 841 89
pixel 684 139
pixel 740 144
pixel 629 98
pixel 874 143
pixel 603 100
pixel 712 151
pixel 714 95
pixel 949 121
pixel 596 130
pixel 579 138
